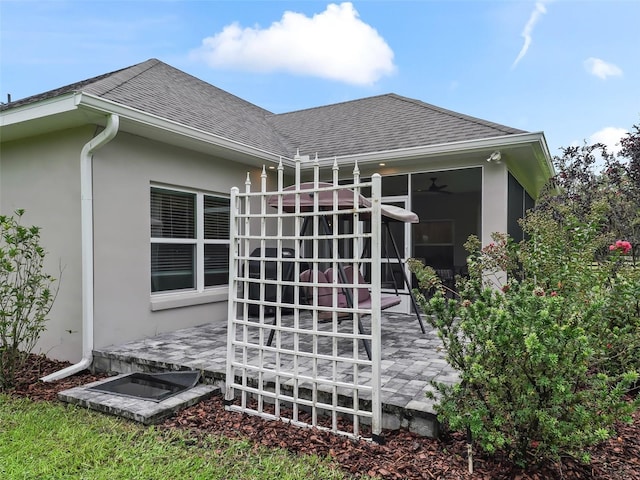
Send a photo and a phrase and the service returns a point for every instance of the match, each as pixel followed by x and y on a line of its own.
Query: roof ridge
pixel 455 114
pixel 133 71
pixel 199 80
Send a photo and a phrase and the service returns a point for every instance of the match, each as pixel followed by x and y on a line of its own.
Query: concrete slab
pixel 137 409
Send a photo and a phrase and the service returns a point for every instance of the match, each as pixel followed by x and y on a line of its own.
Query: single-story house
pixel 129 175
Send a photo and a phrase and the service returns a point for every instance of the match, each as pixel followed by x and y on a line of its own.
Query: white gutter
pixel 86 209
pixel 441 149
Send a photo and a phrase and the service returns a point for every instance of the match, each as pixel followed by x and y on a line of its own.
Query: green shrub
pixel 527 333
pixel 26 294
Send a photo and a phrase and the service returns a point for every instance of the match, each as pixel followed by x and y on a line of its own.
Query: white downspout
pixel 86 211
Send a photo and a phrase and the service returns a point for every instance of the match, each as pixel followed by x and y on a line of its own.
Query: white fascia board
pixel 32 111
pixel 548 159
pixel 504 141
pixel 93 102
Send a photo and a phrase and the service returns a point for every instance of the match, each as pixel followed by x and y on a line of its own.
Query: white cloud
pixel 538 11
pixel 334 44
pixel 610 136
pixel 601 69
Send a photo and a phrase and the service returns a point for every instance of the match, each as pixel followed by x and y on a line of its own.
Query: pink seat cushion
pixel 324 294
pixel 364 297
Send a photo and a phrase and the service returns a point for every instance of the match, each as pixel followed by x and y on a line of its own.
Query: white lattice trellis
pixel 289 356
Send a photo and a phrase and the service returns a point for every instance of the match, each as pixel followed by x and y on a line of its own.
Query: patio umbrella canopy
pixel 345 200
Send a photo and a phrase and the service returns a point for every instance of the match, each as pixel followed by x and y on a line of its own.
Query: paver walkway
pixel 410 359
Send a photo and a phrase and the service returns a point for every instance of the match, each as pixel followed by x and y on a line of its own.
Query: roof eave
pixel 531 170
pixel 502 141
pixel 32 111
pixel 77 108
pixel 531 174
pixel 161 126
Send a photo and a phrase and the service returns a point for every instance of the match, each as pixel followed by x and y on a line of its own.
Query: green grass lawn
pixel 40 440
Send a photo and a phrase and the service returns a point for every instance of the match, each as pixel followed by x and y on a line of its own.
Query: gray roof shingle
pixel 380 123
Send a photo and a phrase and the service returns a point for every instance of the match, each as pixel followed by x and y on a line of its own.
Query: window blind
pixel 216 218
pixel 172 214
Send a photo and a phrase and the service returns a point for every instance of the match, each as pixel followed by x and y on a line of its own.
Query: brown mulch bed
pixel 403 456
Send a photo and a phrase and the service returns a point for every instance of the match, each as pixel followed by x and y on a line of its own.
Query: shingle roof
pixel 380 123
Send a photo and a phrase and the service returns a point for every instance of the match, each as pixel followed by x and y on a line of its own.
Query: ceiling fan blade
pixel 433 188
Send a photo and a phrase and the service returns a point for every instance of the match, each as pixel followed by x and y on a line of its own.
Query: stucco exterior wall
pixel 124 170
pixel 42 176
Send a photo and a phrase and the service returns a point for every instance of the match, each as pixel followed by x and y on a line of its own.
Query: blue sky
pixel 566 67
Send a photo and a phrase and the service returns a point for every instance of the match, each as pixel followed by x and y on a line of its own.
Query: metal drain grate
pixel 150 386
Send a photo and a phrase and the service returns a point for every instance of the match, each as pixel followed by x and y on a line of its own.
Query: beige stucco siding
pixel 42 176
pixel 123 171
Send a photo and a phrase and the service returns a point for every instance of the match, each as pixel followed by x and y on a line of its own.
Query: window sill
pixel 186 299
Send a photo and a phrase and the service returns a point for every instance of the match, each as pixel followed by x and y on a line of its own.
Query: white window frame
pixel 200 294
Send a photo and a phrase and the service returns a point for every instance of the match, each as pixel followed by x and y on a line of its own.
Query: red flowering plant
pixel 621 246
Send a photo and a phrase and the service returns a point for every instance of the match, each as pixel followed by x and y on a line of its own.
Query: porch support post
pixel 495 198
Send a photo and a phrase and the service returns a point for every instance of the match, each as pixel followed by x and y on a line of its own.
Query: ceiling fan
pixel 433 188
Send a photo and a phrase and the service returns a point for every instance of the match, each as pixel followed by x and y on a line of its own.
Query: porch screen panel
pixel 519 202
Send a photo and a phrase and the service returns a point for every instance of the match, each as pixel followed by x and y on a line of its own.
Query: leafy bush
pixel 545 352
pixel 527 351
pixel 26 294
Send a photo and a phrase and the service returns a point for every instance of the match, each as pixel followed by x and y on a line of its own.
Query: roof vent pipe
pixel 86 208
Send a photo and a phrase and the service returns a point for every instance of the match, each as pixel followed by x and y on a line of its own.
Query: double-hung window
pixel 189 240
